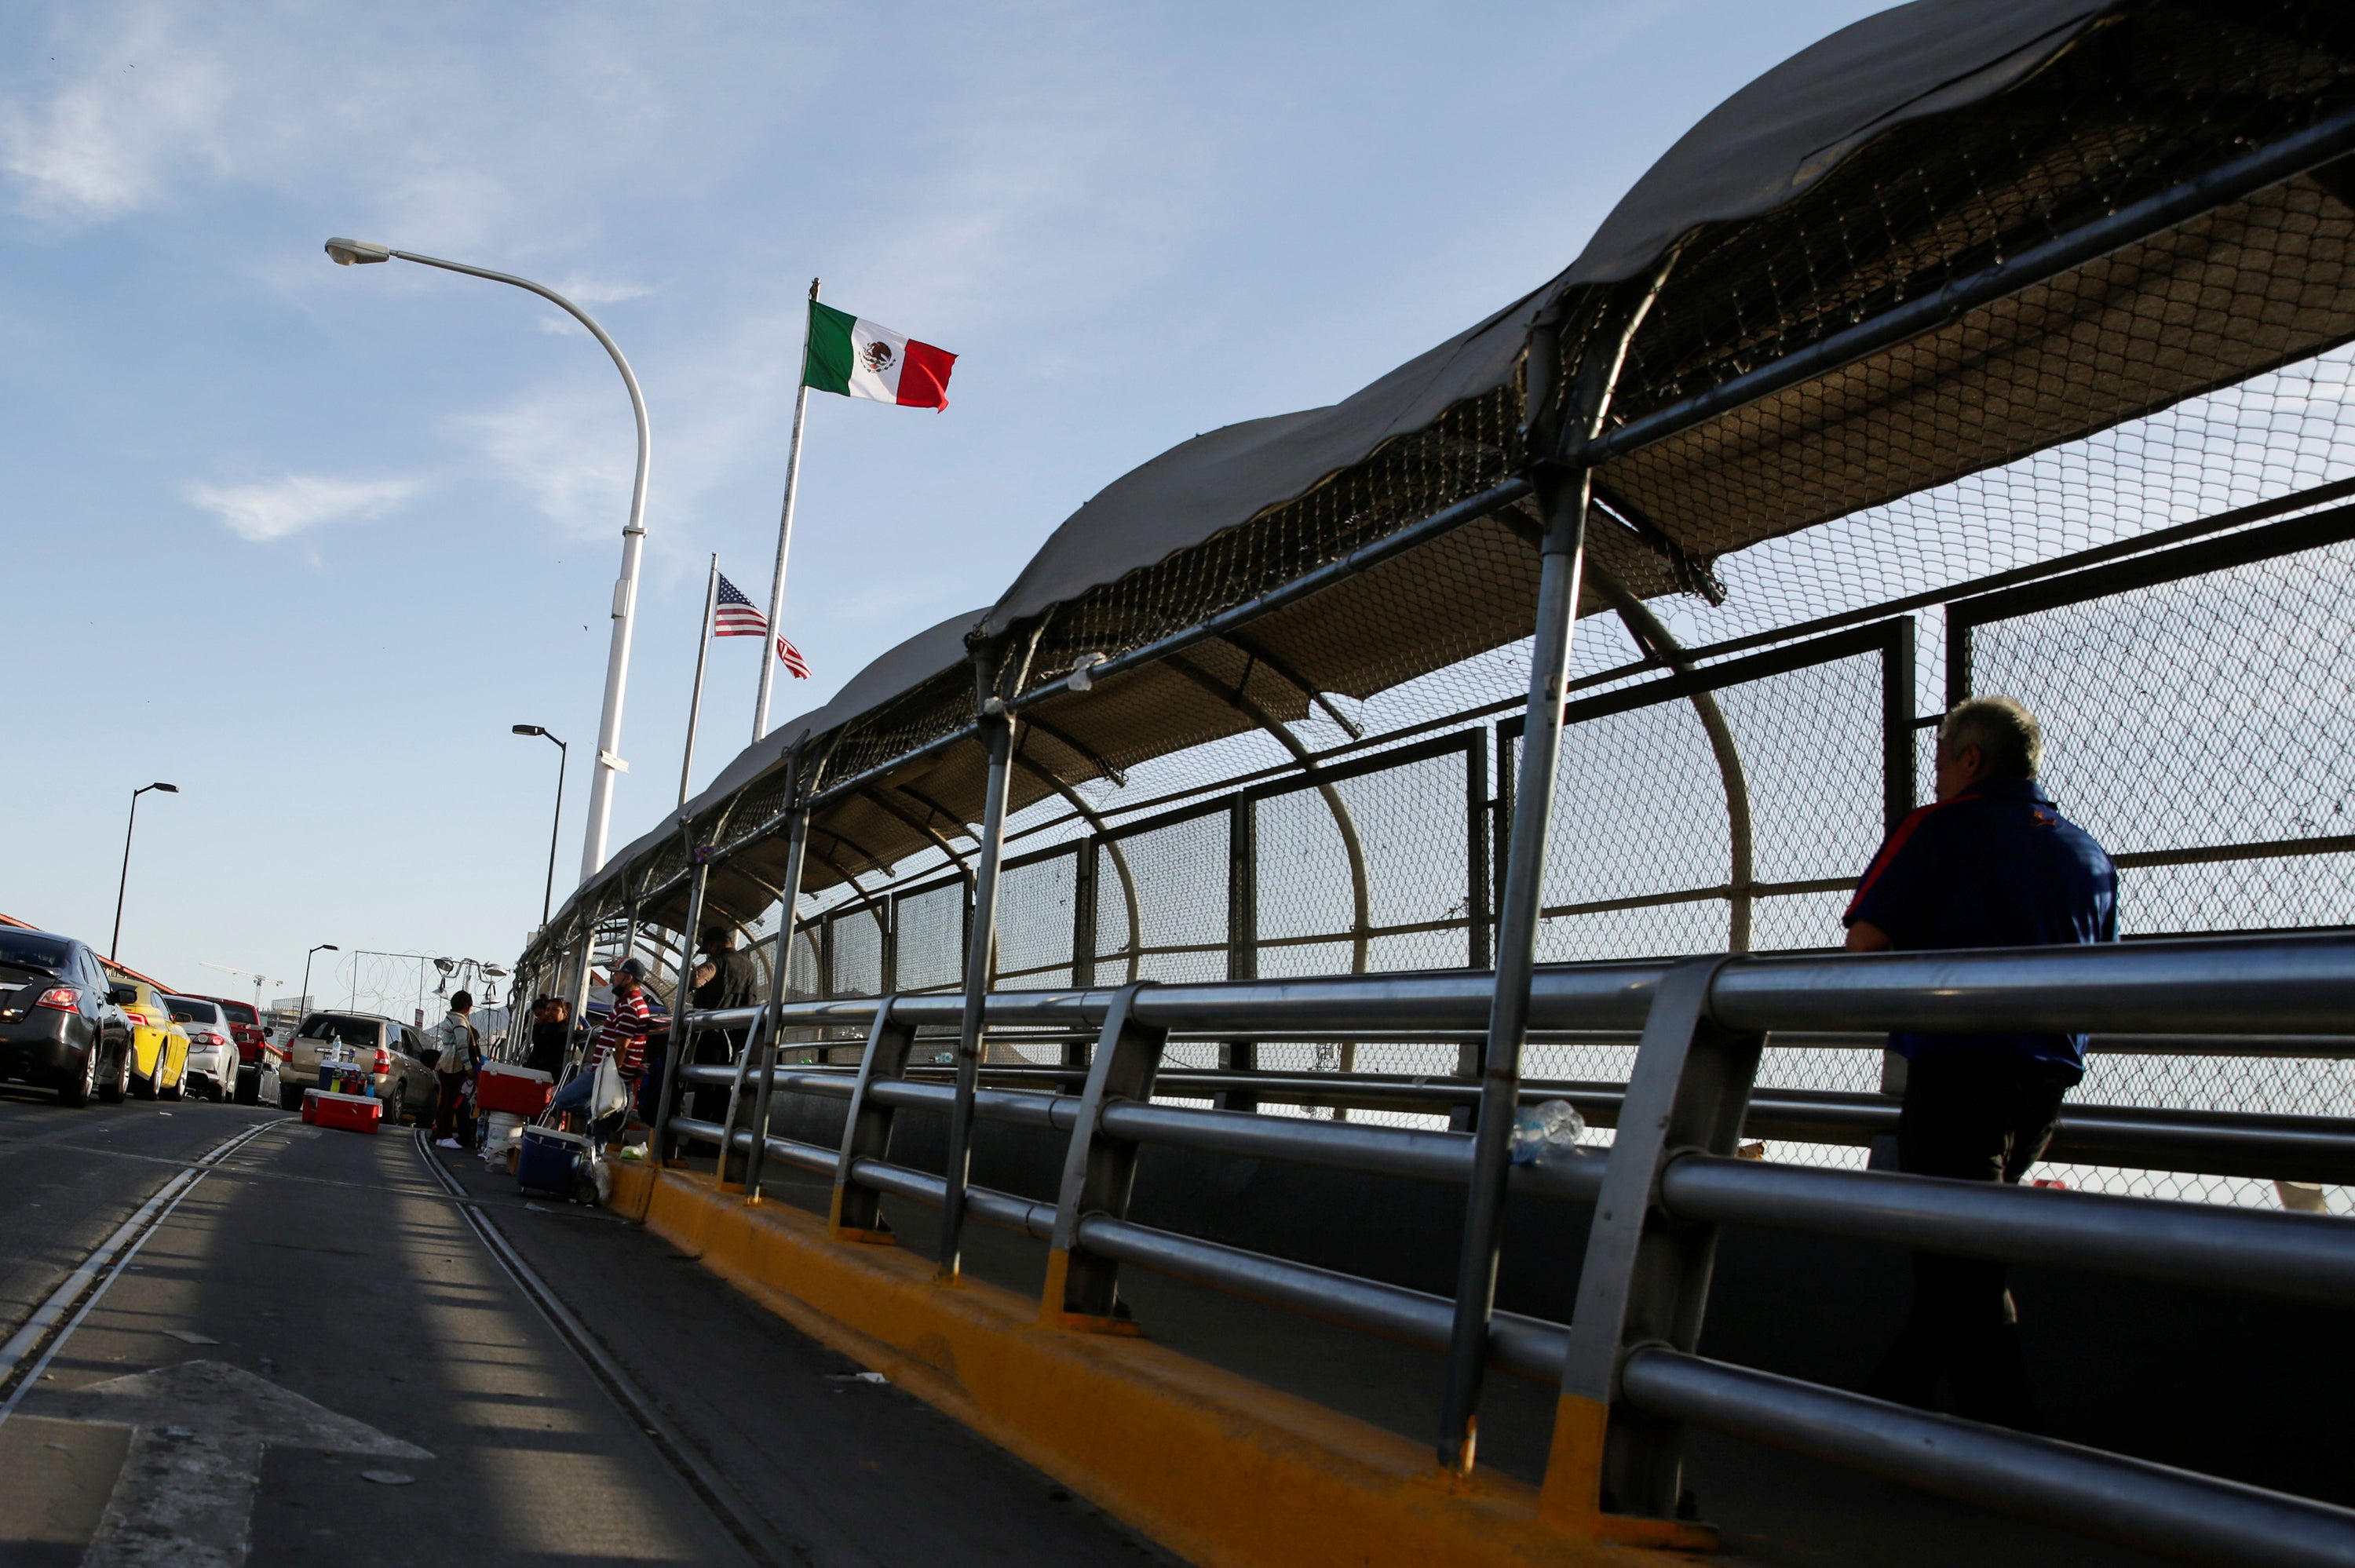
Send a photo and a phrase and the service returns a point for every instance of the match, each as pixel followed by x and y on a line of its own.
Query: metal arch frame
pixel 1653 637
pixel 940 840
pixel 1080 749
pixel 1099 836
pixel 1360 889
pixel 1251 649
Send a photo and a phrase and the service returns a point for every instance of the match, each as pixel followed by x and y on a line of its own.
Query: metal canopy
pixel 1901 160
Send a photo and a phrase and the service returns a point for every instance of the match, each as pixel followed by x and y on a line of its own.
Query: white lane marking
pixel 185 1498
pixel 116 1249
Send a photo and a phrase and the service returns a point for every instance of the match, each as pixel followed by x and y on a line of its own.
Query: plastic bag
pixel 1548 1131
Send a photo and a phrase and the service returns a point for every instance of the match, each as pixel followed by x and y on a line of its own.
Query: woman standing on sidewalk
pixel 462 1053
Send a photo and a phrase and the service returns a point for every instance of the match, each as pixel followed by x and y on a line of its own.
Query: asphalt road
pixel 315 1355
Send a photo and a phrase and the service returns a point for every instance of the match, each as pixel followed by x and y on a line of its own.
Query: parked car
pixel 62 1020
pixel 399 1061
pixel 212 1051
pixel 159 1047
pixel 261 1059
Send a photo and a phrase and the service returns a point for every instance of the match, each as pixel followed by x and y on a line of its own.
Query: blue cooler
pixel 549 1161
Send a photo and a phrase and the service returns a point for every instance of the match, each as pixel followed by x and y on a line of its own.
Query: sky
pixel 307 540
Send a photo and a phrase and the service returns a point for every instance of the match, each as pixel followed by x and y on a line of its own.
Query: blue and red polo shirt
pixel 1996 866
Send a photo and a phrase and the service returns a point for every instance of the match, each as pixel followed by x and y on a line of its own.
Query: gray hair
pixel 2006 733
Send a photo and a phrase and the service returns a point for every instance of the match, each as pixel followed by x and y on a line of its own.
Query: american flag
pixel 737 618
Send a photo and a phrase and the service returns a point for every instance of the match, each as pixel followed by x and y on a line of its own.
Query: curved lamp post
pixel 303 1004
pixel 116 942
pixel 563 755
pixel 359 252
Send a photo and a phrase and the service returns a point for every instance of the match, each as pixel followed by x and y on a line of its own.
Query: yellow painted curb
pixel 1224 1471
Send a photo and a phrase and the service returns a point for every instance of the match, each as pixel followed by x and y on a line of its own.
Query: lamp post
pixel 302 1002
pixel 114 943
pixel 351 252
pixel 563 755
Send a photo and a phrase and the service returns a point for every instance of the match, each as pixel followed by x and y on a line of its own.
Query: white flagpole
pixel 784 535
pixel 702 653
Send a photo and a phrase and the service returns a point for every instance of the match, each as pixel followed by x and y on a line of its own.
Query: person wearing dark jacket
pixel 551 1028
pixel 1991 864
pixel 733 982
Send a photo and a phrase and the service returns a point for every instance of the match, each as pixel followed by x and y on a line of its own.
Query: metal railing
pixel 1627 1363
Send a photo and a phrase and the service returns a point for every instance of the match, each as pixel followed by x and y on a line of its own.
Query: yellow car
pixel 157 1063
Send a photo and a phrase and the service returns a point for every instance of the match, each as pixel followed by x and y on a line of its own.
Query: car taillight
pixel 207 1037
pixel 64 998
pixel 383 1060
pixel 135 1016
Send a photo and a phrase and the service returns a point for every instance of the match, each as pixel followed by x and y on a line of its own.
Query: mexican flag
pixel 856 357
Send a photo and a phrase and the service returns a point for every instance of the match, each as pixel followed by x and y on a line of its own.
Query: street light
pixel 114 943
pixel 563 755
pixel 302 1002
pixel 360 252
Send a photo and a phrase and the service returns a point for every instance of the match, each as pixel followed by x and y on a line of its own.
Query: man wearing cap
pixel 1991 864
pixel 624 1039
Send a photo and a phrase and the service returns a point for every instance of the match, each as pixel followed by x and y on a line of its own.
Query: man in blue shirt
pixel 1992 863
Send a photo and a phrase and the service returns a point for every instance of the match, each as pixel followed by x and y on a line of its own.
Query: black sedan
pixel 61 1024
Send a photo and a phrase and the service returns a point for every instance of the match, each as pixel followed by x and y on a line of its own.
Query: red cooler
pixel 518 1091
pixel 351 1113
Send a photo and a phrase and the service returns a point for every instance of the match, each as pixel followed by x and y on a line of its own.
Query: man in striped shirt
pixel 623 1038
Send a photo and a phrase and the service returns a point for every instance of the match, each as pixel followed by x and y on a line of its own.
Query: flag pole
pixel 784 533
pixel 702 653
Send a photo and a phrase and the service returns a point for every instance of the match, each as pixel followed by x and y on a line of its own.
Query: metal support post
pixel 857 1212
pixel 727 1170
pixel 1615 1471
pixel 784 535
pixel 1563 495
pixel 1243 937
pixel 702 657
pixel 1480 856
pixel 980 962
pixel 682 1033
pixel 580 1012
pixel 1082 1290
pixel 1897 725
pixel 797 851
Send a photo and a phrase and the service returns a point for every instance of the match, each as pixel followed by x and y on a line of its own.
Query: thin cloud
pixel 587 291
pixel 569 452
pixel 273 509
pixel 111 139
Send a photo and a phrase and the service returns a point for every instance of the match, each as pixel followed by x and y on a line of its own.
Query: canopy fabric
pixel 928 654
pixel 1765 145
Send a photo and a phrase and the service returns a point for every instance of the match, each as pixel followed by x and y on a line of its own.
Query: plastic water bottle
pixel 1548 1131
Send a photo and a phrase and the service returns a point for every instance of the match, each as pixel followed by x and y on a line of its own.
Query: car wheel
pixel 248 1086
pixel 397 1108
pixel 289 1098
pixel 118 1081
pixel 77 1092
pixel 143 1089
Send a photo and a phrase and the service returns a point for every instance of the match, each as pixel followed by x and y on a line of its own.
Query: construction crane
pixel 259 980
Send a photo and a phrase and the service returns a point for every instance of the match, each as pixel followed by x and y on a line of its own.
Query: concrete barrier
pixel 1218 1468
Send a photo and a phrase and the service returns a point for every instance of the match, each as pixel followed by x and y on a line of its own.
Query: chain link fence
pixel 1726 798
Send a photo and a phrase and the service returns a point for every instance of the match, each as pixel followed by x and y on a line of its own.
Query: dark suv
pixel 61 1023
